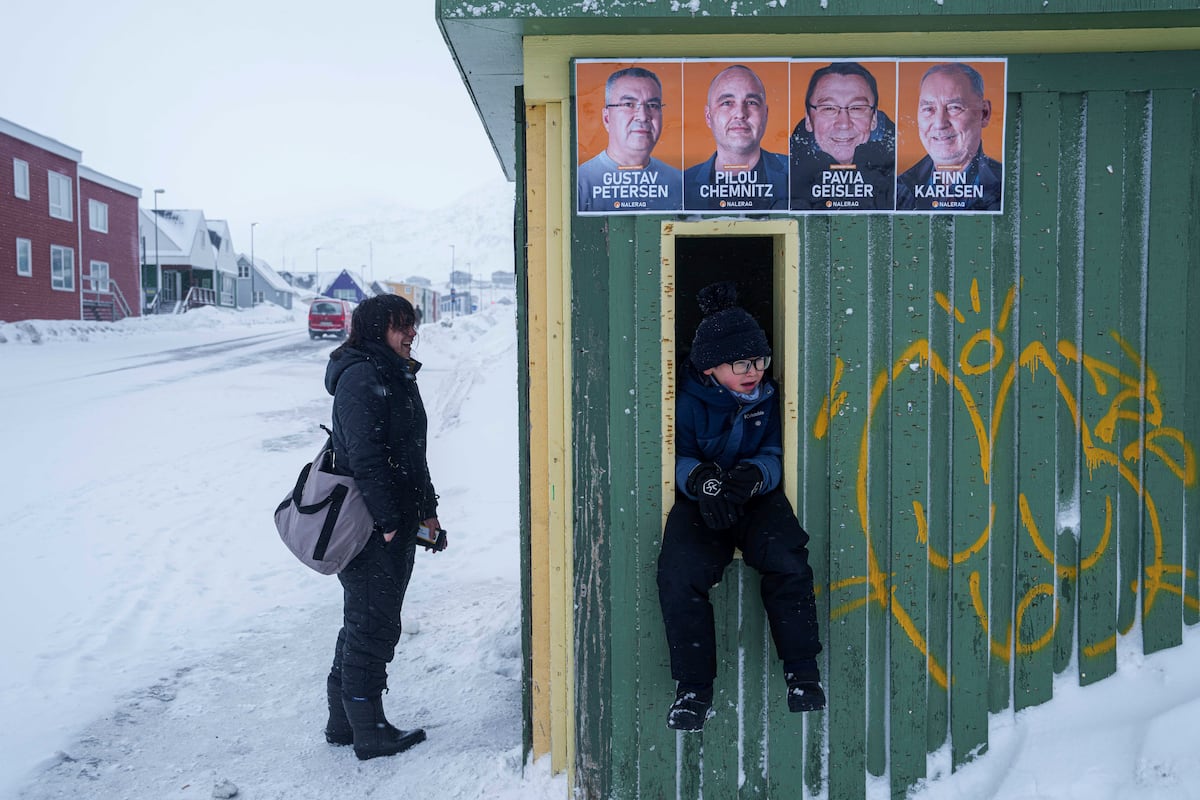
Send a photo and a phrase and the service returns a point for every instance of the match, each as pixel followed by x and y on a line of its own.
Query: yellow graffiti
pixel 1130 395
pixel 832 402
pixel 961 557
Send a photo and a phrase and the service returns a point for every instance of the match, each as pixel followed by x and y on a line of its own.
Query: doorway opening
pixel 762 258
pixel 748 261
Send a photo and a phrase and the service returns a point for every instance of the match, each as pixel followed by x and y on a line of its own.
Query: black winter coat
pixel 379 433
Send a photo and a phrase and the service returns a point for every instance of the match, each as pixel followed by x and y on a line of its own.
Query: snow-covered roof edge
pixel 89 174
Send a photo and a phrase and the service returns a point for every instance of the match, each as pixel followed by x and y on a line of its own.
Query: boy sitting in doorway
pixel 727 474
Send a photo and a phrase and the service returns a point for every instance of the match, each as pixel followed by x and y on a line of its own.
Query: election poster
pixel 799 136
pixel 950 148
pixel 629 123
pixel 735 148
pixel 843 146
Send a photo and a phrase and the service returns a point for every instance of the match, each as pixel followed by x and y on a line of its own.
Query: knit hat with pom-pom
pixel 727 333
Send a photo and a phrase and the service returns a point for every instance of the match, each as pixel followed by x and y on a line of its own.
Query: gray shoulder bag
pixel 323 520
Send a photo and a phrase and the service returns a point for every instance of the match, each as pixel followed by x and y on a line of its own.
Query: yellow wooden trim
pixel 546 58
pixel 785 334
pixel 558 443
pixel 540 568
pixel 562 225
pixel 787 344
pixel 551 537
pixel 667 367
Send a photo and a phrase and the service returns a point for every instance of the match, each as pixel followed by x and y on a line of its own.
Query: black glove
pixel 717 511
pixel 700 475
pixel 742 482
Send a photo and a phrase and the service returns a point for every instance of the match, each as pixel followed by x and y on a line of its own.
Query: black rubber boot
pixel 692 707
pixel 337 729
pixel 374 736
pixel 804 691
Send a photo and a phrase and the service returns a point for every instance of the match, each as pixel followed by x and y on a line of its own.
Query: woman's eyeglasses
pixel 743 366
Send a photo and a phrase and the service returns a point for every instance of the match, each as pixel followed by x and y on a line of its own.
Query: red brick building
pixel 68 234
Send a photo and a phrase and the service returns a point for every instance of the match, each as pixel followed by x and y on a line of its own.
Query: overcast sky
pixel 271 111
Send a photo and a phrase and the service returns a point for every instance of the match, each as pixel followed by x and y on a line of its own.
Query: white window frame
pixel 25 256
pixel 97 215
pixel 21 178
pixel 60 195
pixel 98 276
pixel 62 268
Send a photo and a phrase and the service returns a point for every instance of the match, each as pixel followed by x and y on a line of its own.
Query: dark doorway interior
pixel 748 261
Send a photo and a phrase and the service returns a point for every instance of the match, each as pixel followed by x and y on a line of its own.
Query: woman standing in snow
pixel 379 437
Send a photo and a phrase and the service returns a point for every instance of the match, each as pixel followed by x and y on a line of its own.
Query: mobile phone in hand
pixel 434 540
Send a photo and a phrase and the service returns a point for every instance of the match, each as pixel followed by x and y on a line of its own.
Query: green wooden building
pixel 990 417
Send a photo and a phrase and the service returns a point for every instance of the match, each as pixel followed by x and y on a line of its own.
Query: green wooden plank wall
pixel 997 470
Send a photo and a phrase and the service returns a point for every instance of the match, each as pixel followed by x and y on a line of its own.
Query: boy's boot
pixel 337 729
pixel 804 691
pixel 373 735
pixel 692 707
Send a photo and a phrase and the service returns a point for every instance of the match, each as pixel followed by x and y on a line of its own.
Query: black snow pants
pixel 693 559
pixel 373 583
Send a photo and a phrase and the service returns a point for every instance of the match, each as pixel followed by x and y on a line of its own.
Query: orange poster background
pixel 589 105
pixel 885 77
pixel 909 149
pixel 697 75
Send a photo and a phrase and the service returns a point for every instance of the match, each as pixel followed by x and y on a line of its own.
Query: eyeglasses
pixel 830 111
pixel 653 106
pixel 743 366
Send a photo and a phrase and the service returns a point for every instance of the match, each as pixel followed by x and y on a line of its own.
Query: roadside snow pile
pixel 43 331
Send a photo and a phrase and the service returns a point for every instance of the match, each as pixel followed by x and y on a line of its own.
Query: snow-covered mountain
pixel 474 234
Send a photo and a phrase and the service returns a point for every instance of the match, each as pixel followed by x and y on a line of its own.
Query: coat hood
pixel 380 355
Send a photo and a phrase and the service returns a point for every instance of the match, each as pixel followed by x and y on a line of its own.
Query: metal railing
pixel 110 298
pixel 197 296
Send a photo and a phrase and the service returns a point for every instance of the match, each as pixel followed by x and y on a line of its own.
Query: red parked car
pixel 330 316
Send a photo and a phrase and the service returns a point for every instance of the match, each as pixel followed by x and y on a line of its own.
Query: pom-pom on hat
pixel 728 332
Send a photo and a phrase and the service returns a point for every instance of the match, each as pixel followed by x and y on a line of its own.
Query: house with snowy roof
pixel 348 286
pixel 424 298
pixel 258 283
pixel 189 260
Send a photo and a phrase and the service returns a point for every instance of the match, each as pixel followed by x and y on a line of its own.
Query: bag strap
pixel 335 500
pixel 329 446
pixel 297 491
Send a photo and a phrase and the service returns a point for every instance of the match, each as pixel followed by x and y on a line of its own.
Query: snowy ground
pixel 159 641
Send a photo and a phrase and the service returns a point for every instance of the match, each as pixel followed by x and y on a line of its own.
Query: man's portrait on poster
pixel 625 176
pixel 955 174
pixel 740 175
pixel 843 152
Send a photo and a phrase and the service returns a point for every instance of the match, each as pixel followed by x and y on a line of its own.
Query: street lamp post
pixel 158 290
pixel 317 267
pixel 252 279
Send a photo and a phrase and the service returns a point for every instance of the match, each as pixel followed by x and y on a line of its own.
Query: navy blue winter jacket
pixel 379 433
pixel 713 424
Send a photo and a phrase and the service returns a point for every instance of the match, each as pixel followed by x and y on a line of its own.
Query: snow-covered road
pixel 161 642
